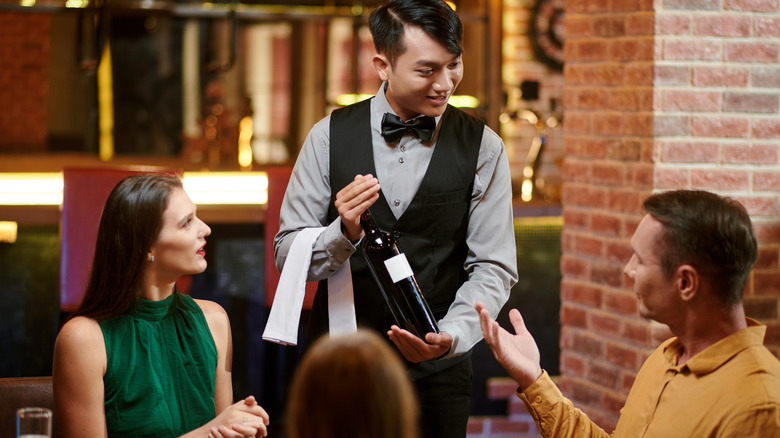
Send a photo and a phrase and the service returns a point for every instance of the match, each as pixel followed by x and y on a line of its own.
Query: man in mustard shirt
pixel 693 252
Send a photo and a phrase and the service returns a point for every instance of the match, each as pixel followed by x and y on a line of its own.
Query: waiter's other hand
pixel 353 200
pixel 415 349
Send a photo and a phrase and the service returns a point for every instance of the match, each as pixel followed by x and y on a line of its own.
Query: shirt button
pixel 538 399
pixel 397 202
pixel 396 234
pixel 403 148
pixel 401 160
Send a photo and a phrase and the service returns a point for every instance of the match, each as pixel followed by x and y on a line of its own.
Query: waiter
pixel 445 194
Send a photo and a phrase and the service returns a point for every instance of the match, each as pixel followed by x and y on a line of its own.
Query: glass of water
pixel 33 423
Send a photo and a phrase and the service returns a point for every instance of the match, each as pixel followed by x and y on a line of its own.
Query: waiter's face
pixel 423 78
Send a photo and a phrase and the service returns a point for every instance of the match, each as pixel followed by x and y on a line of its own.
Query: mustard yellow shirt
pixel 730 389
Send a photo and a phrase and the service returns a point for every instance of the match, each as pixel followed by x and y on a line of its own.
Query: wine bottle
pixel 395 279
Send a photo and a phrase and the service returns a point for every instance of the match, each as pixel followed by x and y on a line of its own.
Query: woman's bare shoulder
pixel 80 345
pixel 211 308
pixel 80 330
pixel 218 321
pixel 215 315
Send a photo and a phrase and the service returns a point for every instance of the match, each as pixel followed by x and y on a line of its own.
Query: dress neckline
pixel 154 310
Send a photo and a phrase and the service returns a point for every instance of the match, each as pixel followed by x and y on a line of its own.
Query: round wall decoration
pixel 547 32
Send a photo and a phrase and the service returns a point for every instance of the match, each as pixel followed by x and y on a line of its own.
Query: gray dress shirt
pixel 491 262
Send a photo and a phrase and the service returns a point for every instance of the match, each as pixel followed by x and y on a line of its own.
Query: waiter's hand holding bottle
pixel 353 200
pixel 415 349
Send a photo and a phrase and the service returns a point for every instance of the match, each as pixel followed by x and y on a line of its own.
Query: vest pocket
pixel 448 211
pixel 437 199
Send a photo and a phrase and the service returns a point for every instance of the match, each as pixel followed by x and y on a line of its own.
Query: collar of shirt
pixel 380 106
pixel 712 357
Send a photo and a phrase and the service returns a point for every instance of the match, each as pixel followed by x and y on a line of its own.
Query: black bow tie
pixel 394 128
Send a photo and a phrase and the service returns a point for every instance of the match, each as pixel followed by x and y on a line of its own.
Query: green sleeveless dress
pixel 162 360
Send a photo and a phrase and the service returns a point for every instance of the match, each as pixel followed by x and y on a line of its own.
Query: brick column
pixel 24 83
pixel 664 95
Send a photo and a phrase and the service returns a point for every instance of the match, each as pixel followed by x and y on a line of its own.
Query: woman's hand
pixel 243 419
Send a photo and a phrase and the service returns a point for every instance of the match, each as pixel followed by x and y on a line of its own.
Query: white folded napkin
pixel 283 321
pixel 341 302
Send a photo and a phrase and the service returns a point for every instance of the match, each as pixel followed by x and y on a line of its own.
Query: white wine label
pixel 398 267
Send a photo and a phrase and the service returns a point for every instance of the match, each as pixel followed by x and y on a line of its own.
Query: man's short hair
pixel 713 234
pixel 435 17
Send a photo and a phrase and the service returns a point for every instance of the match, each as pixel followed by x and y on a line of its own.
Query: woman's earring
pixel 151 258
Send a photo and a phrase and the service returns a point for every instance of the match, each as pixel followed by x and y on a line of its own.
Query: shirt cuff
pixel 337 245
pixel 457 335
pixel 541 396
pixel 456 349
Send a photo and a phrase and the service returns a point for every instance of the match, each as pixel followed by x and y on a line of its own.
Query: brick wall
pixel 517 423
pixel 659 95
pixel 24 84
pixel 721 130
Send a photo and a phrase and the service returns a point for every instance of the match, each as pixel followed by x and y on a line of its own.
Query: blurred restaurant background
pixel 599 104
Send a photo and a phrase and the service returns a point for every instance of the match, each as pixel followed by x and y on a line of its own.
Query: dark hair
pixel 352 386
pixel 709 232
pixel 129 226
pixel 435 17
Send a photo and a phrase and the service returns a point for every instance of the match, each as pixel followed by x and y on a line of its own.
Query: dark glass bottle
pixel 396 280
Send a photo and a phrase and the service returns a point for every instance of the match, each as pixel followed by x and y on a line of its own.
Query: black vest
pixel 432 230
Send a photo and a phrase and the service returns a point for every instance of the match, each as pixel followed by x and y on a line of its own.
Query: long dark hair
pixel 434 17
pixel 129 226
pixel 709 232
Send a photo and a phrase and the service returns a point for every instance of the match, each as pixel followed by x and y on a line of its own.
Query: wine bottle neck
pixel 367 221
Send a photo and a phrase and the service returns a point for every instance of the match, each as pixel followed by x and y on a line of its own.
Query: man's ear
pixel 381 65
pixel 687 282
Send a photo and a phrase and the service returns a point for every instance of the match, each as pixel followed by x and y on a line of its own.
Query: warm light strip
pixel 458 100
pixel 349 99
pixel 8 231
pixel 78 4
pixel 222 188
pixel 106 105
pixel 31 188
pixel 464 101
pixel 204 188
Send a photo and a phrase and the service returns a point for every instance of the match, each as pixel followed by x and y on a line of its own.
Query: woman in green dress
pixel 138 358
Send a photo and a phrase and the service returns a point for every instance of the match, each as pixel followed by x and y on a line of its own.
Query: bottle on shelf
pixel 395 279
